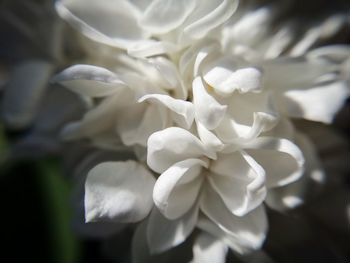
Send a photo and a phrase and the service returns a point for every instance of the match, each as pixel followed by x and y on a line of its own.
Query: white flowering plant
pixel 203 94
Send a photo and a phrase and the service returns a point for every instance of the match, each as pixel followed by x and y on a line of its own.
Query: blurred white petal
pixel 163 234
pixel 119 192
pixel 109 22
pixel 315 103
pixel 162 16
pixel 206 248
pixel 24 92
pixel 90 80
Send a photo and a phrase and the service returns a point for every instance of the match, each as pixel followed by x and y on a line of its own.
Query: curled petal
pixel 225 81
pixel 248 231
pixel 296 193
pixel 89 80
pixel 239 181
pixel 118 191
pixel 163 234
pixel 177 188
pixel 281 159
pixel 182 112
pixel 207 110
pixel 171 145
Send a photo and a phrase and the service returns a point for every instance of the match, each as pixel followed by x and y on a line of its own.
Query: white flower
pixel 210 98
pixel 228 188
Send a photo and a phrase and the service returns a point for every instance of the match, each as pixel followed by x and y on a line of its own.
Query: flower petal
pixel 206 225
pixel 24 92
pixel 177 188
pixel 281 159
pixel 319 103
pixel 118 191
pixel 100 118
pixel 163 234
pixel 150 47
pixel 225 80
pixel 162 16
pixel 209 15
pixel 141 254
pixel 247 116
pixel 172 145
pixel 109 22
pixel 208 138
pixel 206 247
pixel 190 62
pixel 239 181
pixel 89 80
pixel 248 231
pixel 307 187
pixel 138 121
pixel 207 110
pixel 169 72
pixel 182 112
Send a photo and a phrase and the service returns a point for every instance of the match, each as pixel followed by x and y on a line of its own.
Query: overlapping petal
pixel 239 181
pixel 207 110
pixel 176 190
pixel 281 159
pixel 162 16
pixel 171 145
pixel 209 15
pixel 182 112
pixel 163 234
pixel 249 231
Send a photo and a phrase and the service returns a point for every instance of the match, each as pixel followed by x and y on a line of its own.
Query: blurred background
pixel 40 218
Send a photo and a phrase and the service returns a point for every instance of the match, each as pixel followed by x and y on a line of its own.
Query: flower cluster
pixel 202 93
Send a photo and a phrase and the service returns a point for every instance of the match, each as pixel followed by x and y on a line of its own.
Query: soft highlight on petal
pixel 118 191
pixel 176 190
pixel 163 234
pixel 171 145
